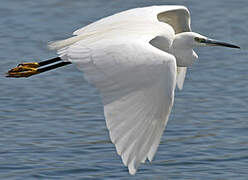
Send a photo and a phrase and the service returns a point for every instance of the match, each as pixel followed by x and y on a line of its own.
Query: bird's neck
pixel 185 57
pixel 183 51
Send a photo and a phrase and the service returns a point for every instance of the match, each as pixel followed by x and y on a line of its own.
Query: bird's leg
pixel 29 69
pixel 48 68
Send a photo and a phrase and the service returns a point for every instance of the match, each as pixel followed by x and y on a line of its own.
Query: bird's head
pixel 185 42
pixel 203 41
pixel 194 40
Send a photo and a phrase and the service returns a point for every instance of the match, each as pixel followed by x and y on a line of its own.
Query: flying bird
pixel 135 58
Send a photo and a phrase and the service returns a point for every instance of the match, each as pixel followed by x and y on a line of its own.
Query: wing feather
pixel 177 16
pixel 136 82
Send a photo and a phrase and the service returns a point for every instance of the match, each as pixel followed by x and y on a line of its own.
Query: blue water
pixel 52 125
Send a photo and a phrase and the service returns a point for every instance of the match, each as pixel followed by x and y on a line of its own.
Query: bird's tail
pixel 63 43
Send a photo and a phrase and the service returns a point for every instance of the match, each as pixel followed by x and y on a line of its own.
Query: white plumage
pixel 135 58
pixel 136 80
pixel 132 58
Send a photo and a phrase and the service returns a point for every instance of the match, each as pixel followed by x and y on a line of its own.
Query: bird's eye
pixel 200 40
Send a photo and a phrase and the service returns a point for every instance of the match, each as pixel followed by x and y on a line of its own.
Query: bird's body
pixel 135 58
pixel 136 80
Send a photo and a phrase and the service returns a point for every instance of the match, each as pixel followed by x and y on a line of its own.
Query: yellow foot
pixel 23 70
pixel 32 64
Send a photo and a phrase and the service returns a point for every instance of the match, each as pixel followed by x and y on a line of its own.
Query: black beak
pixel 212 42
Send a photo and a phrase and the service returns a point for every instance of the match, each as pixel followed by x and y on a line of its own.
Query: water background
pixel 52 125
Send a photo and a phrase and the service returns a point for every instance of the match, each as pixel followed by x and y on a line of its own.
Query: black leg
pixel 48 68
pixel 43 63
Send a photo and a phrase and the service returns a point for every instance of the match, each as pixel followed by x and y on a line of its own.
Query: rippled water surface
pixel 52 125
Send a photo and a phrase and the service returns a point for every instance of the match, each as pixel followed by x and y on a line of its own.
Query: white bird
pixel 135 58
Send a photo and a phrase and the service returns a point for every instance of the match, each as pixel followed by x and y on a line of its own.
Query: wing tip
pixel 181 77
pixel 180 86
pixel 132 170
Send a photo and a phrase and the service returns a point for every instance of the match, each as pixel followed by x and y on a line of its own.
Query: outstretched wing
pixel 136 82
pixel 176 16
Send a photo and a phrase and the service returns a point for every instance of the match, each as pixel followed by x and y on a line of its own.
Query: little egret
pixel 135 58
